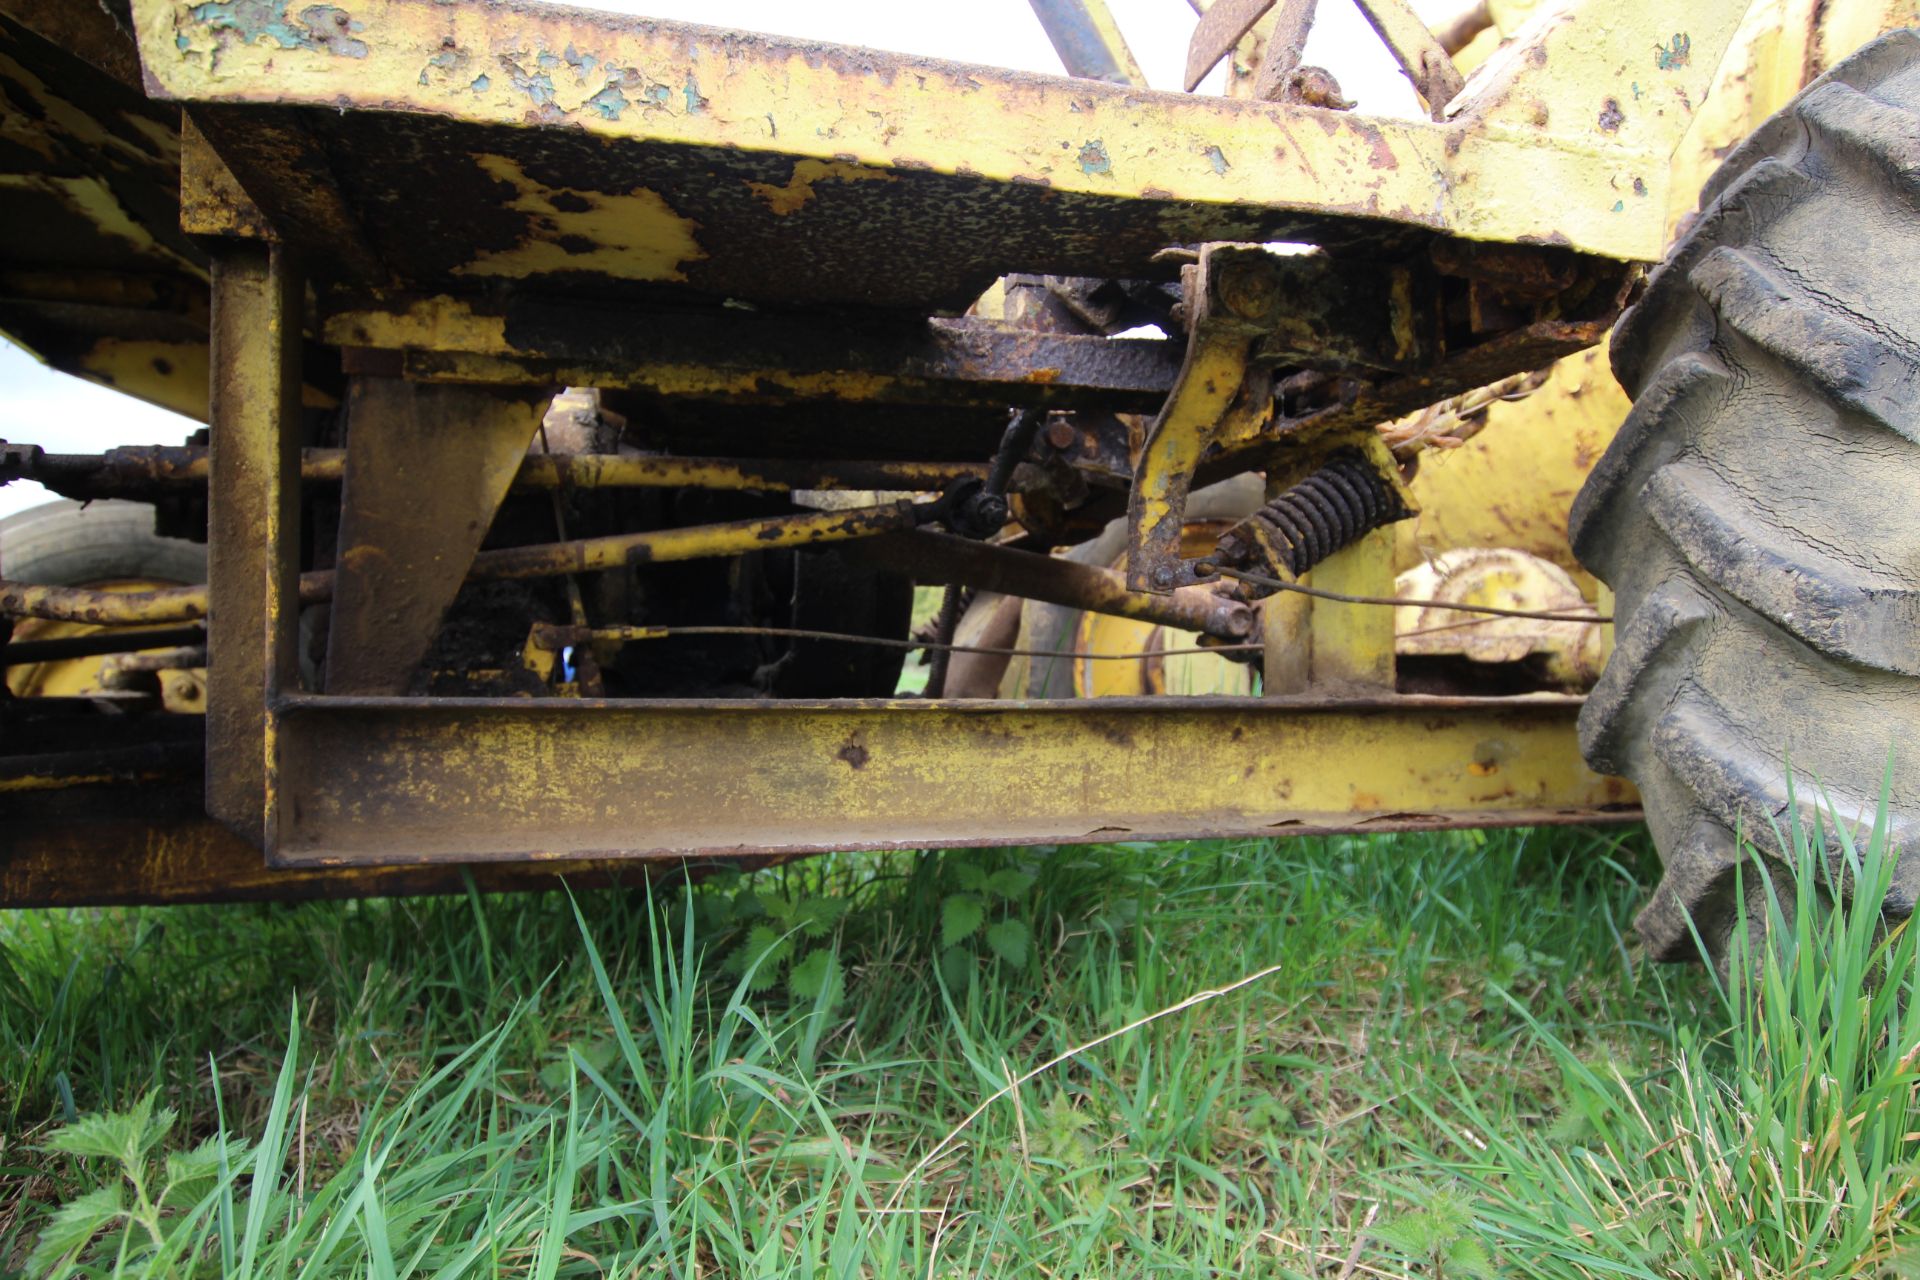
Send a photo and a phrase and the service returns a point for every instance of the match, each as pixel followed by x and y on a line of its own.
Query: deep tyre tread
pixel 1757 515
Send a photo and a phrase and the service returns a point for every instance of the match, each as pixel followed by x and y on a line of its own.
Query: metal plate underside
pixel 95 274
pixel 124 846
pixel 458 207
pixel 391 780
pixel 457 148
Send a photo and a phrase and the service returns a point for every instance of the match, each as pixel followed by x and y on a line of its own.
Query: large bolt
pixel 1163 577
pixel 1060 434
pixel 1248 292
pixel 1234 619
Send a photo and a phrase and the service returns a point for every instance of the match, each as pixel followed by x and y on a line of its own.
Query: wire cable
pixel 1341 597
pixel 844 637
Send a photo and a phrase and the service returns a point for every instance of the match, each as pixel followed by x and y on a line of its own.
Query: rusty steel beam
pixel 1255 444
pixel 632 152
pixel 253 521
pixel 133 471
pixel 737 537
pixel 120 845
pixel 285 182
pixel 1088 41
pixel 84 859
pixel 19 653
pixel 738 357
pixel 366 781
pixel 1223 24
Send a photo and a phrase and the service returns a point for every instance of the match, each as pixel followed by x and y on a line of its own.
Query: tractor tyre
pixel 71 544
pixel 1758 515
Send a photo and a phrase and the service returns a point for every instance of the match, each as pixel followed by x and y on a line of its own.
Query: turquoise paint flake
pixel 319 26
pixel 1675 54
pixel 1094 159
pixel 609 102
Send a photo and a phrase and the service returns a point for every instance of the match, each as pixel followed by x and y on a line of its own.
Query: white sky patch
pixel 63 414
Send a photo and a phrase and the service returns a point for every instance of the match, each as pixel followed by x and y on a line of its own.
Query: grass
pixel 1457 1065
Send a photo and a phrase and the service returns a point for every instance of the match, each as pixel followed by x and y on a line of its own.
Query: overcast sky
pixel 66 415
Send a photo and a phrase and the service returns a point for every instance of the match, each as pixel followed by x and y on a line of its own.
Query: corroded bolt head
pixel 1235 620
pixel 1248 292
pixel 1163 576
pixel 1060 434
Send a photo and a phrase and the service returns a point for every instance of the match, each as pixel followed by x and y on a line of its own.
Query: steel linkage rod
pixel 936 558
pixel 132 470
pixel 545 560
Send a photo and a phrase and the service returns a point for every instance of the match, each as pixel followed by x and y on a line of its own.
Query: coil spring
pixel 1315 518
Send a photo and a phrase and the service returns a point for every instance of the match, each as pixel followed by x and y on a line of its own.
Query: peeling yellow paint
pixel 636 236
pixel 1474 175
pixel 95 206
pixel 799 189
pixel 173 375
pixel 446 324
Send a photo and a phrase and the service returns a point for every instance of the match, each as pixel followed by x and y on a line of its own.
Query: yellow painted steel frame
pixel 360 781
pixel 331 779
pixel 381 780
pixel 1587 105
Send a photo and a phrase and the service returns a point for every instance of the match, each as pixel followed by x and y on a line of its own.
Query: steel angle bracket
pixel 1249 310
pixel 1225 299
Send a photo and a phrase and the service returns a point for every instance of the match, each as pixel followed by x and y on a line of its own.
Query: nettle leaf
pixel 1009 940
pixel 191 1174
pixel 712 910
pixel 960 915
pixel 1412 1235
pixel 956 967
pixel 1009 883
pixel 819 915
pixel 125 1136
pixel 781 909
pixel 111 1134
pixel 969 876
pixel 816 973
pixel 71 1226
pixel 765 952
pixel 1468 1257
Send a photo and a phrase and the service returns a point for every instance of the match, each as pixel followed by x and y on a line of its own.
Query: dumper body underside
pixel 841 324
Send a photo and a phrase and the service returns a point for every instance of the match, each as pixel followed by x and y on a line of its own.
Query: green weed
pixel 1002 1062
pixel 1777 1139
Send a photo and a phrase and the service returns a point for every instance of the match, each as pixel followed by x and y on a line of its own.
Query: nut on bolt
pixel 1163 577
pixel 1235 620
pixel 1248 291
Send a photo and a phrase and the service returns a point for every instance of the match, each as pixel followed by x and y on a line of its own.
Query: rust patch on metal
pixel 799 189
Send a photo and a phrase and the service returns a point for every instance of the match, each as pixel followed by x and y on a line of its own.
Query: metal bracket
pixel 427 467
pixel 1221 304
